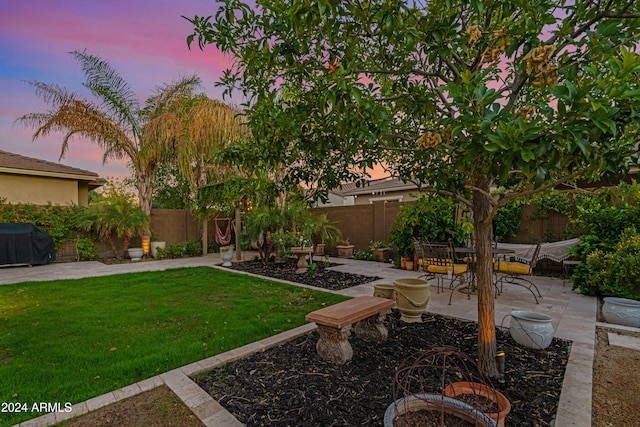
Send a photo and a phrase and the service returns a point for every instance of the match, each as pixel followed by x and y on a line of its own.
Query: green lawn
pixel 70 340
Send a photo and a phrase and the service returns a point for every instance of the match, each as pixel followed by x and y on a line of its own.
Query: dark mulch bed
pixel 290 385
pixel 324 278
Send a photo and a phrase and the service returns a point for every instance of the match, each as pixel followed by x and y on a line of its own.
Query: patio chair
pixel 419 246
pixel 516 273
pixel 440 262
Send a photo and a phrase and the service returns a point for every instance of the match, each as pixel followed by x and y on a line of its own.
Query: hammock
pixel 223 239
pixel 555 251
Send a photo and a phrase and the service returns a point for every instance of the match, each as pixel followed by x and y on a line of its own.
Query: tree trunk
pixel 145 191
pixel 482 215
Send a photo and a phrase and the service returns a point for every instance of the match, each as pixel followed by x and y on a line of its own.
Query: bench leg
pixel 372 328
pixel 333 344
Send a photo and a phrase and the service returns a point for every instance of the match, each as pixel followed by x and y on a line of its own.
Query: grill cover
pixel 24 243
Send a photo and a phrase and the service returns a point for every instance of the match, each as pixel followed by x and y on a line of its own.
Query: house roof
pixel 378 186
pixel 22 165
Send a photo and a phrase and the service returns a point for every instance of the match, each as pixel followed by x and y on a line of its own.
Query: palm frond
pixel 166 95
pixel 105 83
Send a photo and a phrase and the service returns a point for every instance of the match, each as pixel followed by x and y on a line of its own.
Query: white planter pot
pixel 622 311
pixel 155 246
pixel 530 329
pixel 226 253
pixel 135 253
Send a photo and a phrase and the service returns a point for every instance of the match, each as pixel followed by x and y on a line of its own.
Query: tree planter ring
pixel 621 311
pixel 436 403
pixel 531 329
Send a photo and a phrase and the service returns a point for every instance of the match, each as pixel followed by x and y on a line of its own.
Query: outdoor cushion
pixel 513 267
pixel 444 269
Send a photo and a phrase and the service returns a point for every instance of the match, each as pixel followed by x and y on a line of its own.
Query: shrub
pixel 86 249
pixel 160 253
pixel 193 248
pixel 616 273
pixel 364 255
pixel 176 250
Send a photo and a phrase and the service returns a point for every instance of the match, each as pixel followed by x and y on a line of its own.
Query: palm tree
pixel 144 136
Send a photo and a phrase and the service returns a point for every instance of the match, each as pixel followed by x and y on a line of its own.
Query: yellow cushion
pixel 513 267
pixel 444 269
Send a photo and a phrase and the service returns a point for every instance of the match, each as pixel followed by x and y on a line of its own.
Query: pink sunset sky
pixel 144 40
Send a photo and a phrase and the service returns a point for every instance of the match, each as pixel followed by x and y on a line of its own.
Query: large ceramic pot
pixel 154 248
pixel 226 254
pixel 622 311
pixel 412 296
pixel 436 404
pixel 383 290
pixel 464 388
pixel 530 329
pixel 135 253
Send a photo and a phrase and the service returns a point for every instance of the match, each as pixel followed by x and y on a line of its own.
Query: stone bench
pixel 334 325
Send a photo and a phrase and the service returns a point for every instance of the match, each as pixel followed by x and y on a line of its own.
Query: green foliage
pixel 113 212
pixel 58 221
pixel 364 255
pixel 616 273
pixel 86 249
pixel 603 217
pixel 325 231
pixel 436 219
pixel 176 250
pixel 506 222
pixel 312 269
pixel 193 248
pixel 161 253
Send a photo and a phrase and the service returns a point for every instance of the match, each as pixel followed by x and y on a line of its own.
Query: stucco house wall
pixel 39 182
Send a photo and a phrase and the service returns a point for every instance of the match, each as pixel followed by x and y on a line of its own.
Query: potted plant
pixel 115 214
pixel 380 250
pixel 402 232
pixel 155 244
pixel 345 249
pixel 479 393
pixel 324 233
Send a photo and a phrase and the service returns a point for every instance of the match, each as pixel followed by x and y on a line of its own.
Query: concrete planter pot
pixel 381 254
pixel 135 253
pixel 226 254
pixel 435 404
pixel 301 253
pixel 345 251
pixel 155 246
pixel 530 329
pixel 622 311
pixel 412 296
pixel 463 388
pixel 383 290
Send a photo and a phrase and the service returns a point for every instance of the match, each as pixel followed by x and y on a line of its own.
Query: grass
pixel 70 340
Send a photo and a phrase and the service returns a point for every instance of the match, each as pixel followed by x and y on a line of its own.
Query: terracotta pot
pixel 437 404
pixel 345 251
pixel 408 265
pixel 469 388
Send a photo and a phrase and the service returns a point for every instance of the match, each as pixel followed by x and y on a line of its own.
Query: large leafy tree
pixel 143 134
pixel 482 100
